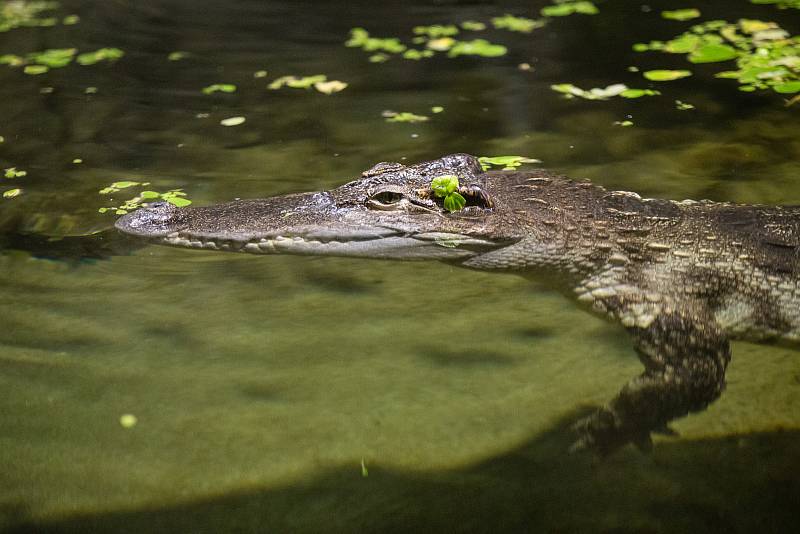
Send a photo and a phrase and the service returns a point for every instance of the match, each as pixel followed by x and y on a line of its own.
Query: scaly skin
pixel 681 277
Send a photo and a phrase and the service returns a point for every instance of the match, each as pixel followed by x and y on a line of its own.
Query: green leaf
pixel 666 75
pixel 146 195
pixel 478 47
pixel 444 185
pixel 103 54
pixel 219 87
pixel 454 202
pixel 123 185
pixel 562 9
pixel 787 88
pixel 178 201
pixel 517 24
pixel 712 53
pixel 35 69
pixel 638 93
pixel 403 116
pixel 681 14
pixel 506 162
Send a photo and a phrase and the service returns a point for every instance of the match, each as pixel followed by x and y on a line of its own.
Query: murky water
pixel 294 394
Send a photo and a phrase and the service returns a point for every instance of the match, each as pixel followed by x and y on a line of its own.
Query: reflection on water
pixel 261 384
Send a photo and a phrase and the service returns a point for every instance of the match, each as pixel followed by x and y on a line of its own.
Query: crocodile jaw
pixel 163 223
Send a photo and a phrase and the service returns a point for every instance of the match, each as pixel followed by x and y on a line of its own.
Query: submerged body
pixel 682 277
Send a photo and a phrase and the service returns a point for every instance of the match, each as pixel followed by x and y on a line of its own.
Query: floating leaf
pixel 440 45
pixel 562 8
pixel 53 57
pixel 35 69
pixel 471 25
pixel 681 14
pixel 712 53
pixel 506 162
pixel 177 55
pixel 295 82
pixel 436 30
pixel 683 106
pixel 478 47
pixel 517 24
pixel 179 202
pixel 11 193
pixel 788 87
pixel 20 14
pixel 12 172
pixel 404 116
pixel 232 121
pixel 638 93
pixel 103 54
pixel 666 75
pixel 330 87
pixel 219 87
pixel 780 4
pixel 597 93
pixel 416 55
pixel 360 38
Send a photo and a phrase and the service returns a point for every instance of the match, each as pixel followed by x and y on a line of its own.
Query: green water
pixel 294 394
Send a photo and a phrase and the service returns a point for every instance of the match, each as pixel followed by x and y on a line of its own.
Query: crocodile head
pixel 390 212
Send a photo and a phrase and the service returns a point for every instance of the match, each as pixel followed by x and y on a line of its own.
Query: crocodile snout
pixel 154 220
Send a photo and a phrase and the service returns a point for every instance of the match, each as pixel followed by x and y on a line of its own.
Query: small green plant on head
pixel 446 187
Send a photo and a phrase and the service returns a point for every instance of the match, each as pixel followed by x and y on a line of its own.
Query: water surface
pixel 298 394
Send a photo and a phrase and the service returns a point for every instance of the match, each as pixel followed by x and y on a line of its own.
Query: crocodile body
pixel 683 278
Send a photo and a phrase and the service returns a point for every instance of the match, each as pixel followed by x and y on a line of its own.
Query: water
pixel 265 389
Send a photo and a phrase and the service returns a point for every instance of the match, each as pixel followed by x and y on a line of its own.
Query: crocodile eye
pixel 387 197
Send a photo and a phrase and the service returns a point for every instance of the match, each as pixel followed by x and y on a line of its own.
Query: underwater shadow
pixel 741 483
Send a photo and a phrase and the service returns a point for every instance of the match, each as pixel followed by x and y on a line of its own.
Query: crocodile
pixel 682 277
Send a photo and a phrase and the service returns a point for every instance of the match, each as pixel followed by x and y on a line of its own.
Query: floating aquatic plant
pixel 319 82
pixel 562 8
pixel 13 172
pixel 173 196
pixel 517 24
pixel 56 58
pixel 666 75
pixel 433 38
pixel 780 4
pixel 219 88
pixel 602 93
pixel 681 14
pixel 403 116
pixel 506 163
pixel 28 14
pixel 766 56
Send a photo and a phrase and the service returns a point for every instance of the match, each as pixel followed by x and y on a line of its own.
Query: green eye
pixel 387 197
